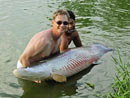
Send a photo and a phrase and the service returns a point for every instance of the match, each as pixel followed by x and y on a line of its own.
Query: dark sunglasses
pixel 60 22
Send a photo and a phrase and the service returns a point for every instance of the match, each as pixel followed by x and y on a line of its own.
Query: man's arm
pixel 34 47
pixel 77 40
pixel 64 43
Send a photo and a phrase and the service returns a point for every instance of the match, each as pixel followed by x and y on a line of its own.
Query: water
pixel 99 21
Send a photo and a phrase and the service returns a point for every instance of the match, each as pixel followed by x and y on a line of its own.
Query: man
pixel 45 43
pixel 71 34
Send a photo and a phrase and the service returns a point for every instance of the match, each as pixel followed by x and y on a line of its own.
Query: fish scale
pixel 67 63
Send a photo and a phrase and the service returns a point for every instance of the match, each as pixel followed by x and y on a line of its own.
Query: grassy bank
pixel 121 85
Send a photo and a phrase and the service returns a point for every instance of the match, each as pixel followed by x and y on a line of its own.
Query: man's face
pixel 60 23
pixel 71 24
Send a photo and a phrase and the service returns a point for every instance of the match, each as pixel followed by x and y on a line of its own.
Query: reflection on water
pixel 103 21
pixel 8 95
pixel 51 89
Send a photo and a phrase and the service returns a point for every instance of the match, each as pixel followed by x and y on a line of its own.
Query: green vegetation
pixel 90 85
pixel 121 85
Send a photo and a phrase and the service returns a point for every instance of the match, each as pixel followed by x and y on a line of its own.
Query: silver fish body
pixel 67 63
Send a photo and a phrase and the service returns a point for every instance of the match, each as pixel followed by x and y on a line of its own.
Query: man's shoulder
pixel 43 33
pixel 75 33
pixel 48 30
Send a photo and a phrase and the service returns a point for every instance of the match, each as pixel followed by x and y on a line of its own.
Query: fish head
pixel 31 73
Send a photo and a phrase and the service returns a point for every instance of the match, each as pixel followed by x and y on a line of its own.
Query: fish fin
pixel 59 78
pixel 96 62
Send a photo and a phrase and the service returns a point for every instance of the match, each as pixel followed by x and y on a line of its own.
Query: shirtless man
pixel 71 34
pixel 45 43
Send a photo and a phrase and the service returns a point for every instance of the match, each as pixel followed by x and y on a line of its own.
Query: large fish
pixel 64 65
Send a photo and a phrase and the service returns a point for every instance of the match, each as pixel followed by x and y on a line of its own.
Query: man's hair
pixel 60 12
pixel 71 14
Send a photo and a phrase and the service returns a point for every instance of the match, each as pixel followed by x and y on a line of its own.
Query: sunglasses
pixel 62 22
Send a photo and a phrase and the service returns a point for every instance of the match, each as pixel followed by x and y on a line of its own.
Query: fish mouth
pixel 15 72
pixel 31 74
pixel 19 72
pixel 23 74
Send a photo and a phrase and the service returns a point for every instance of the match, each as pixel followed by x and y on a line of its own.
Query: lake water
pixel 98 21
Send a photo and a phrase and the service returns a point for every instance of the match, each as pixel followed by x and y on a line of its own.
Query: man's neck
pixel 55 35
